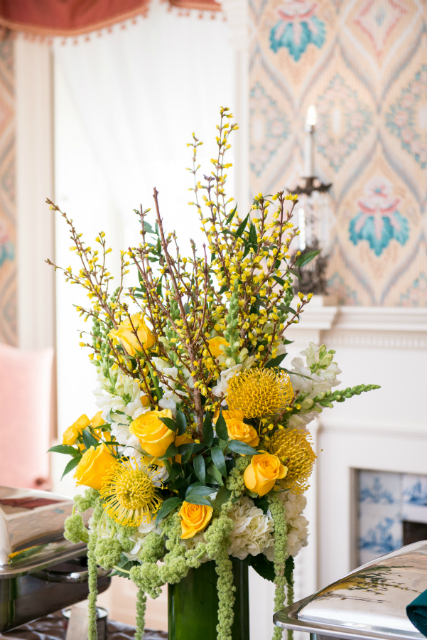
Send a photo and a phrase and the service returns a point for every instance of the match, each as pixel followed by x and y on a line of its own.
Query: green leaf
pixel 200 468
pixel 289 570
pixel 222 496
pixel 64 448
pixel 71 465
pixel 183 448
pixel 279 280
pixel 287 309
pixel 219 460
pixel 253 236
pixel 221 427
pixel 193 498
pixel 171 424
pixel 208 430
pixel 170 452
pixel 262 503
pixel 148 228
pixel 213 471
pixel 89 440
pixel 231 216
pixel 181 421
pixel 264 567
pixel 199 491
pixel 241 227
pixel 275 362
pixel 306 258
pixel 241 447
pixel 168 505
pixel 295 273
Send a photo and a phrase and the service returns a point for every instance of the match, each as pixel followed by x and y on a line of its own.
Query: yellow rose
pixel 126 334
pixel 184 439
pixel 194 518
pixel 215 344
pixel 153 435
pixel 94 466
pixel 261 475
pixel 238 430
pixel 97 421
pixel 71 434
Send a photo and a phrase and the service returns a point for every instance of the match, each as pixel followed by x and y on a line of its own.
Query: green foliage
pixel 75 530
pixel 327 398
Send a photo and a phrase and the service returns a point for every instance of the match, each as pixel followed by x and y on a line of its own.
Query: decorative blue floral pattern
pixel 297 28
pixel 404 118
pixel 378 220
pixel 7 250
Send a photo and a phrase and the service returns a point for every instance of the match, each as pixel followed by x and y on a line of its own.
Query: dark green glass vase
pixel 193 604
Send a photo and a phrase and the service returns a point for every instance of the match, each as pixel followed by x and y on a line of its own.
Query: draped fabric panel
pixel 48 18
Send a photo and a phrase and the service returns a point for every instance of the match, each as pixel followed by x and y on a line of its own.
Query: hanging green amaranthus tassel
pixel 289 575
pixel 278 513
pixel 141 601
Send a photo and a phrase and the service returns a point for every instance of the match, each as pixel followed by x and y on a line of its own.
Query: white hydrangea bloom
pixel 297 524
pixel 253 529
pixel 139 536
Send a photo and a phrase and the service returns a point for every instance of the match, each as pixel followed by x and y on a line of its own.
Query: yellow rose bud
pixel 94 466
pixel 194 518
pixel 261 475
pixel 238 430
pixel 145 400
pixel 215 344
pixel 97 421
pixel 153 435
pixel 126 335
pixel 71 434
pixel 184 439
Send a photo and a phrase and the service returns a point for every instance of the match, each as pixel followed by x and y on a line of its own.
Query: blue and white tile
pixel 379 493
pixel 414 497
pixel 378 535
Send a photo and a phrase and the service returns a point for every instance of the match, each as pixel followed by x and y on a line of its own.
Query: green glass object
pixel 193 604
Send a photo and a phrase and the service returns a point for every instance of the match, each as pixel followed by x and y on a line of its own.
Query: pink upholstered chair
pixel 25 416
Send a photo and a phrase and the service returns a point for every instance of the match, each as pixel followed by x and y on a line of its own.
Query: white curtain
pixel 125 107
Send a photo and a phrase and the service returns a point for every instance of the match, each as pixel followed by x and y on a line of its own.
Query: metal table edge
pixel 9 571
pixel 287 619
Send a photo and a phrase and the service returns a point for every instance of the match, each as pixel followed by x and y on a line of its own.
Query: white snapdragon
pixel 297 524
pixel 317 375
pixel 126 388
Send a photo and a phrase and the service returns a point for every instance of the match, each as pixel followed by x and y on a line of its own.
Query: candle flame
pixel 311 116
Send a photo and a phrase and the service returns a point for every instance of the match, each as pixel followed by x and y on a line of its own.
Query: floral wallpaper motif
pixel 269 127
pixel 298 26
pixel 362 63
pixel 378 220
pixel 407 118
pixel 336 141
pixel 8 276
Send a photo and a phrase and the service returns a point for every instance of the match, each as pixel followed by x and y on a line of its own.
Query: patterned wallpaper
pixel 8 276
pixel 363 64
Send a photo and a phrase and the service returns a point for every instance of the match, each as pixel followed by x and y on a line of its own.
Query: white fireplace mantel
pixel 376 327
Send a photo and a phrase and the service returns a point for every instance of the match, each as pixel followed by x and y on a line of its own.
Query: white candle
pixel 310 125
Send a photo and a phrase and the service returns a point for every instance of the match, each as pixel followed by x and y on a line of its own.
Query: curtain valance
pixel 75 17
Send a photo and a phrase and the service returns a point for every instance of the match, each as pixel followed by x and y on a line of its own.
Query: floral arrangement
pixel 200 450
